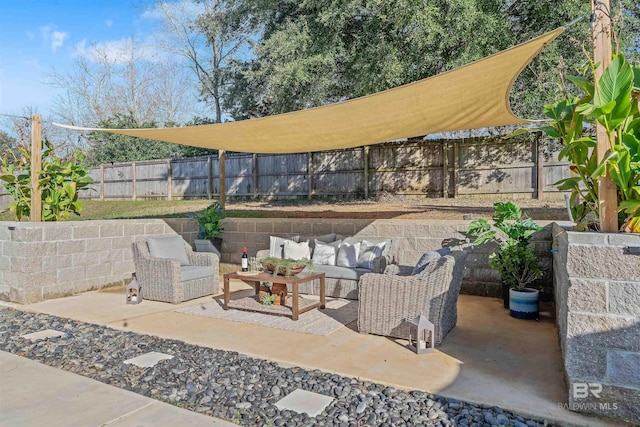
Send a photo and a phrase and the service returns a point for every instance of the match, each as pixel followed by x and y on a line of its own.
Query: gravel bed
pixel 230 385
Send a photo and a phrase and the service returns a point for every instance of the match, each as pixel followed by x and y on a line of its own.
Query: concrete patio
pixel 488 358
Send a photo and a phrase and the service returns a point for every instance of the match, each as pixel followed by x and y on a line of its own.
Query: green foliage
pixel 59 181
pixel 611 103
pixel 511 230
pixel 210 221
pixel 287 264
pixel 310 53
pixel 268 299
pixel 110 148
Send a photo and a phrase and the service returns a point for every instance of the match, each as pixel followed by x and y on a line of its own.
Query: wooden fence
pixel 431 168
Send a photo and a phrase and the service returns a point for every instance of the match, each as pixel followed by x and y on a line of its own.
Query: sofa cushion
pixel 325 253
pixel 168 247
pixel 293 250
pixel 326 238
pixel 348 254
pixel 370 251
pixel 337 272
pixel 427 258
pixel 276 245
pixel 192 272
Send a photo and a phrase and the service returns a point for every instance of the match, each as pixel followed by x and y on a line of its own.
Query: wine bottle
pixel 245 260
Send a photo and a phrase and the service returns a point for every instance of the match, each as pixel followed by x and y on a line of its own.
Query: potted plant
pixel 210 224
pixel 516 262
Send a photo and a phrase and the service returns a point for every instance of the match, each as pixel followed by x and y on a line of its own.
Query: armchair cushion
pixel 168 247
pixel 192 272
pixel 427 258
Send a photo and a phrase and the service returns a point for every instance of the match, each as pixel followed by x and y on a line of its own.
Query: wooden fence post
pixel 209 178
pixel 607 190
pixel 36 166
pixel 310 172
pixel 538 152
pixel 366 170
pixel 101 182
pixel 455 169
pixel 445 169
pixel 169 180
pixel 133 181
pixel 222 183
pixel 256 178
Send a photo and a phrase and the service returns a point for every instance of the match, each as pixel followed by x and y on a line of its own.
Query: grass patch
pixel 122 209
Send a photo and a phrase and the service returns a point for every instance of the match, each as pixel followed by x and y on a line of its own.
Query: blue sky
pixel 37 36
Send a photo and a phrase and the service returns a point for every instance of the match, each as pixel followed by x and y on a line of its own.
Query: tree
pixel 310 53
pixel 110 148
pixel 199 35
pixel 131 81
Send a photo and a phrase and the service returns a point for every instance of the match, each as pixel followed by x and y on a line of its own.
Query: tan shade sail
pixel 473 96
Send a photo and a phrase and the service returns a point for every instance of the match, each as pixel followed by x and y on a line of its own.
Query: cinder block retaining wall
pixel 411 238
pixel 597 293
pixel 48 260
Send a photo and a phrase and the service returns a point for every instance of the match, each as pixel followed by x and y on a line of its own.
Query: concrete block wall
pixel 597 292
pixel 48 260
pixel 411 238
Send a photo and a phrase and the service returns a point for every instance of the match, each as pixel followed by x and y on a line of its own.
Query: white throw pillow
pixel 325 253
pixel 368 252
pixel 293 250
pixel 348 255
pixel 276 245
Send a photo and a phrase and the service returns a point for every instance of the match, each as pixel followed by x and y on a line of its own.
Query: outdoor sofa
pixel 340 281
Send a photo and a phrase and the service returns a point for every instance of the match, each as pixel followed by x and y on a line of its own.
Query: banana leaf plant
pixel 611 101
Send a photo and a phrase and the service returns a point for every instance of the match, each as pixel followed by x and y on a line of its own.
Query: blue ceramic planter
pixel 523 304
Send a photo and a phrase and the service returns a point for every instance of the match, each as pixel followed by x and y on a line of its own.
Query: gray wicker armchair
pixel 163 279
pixel 388 301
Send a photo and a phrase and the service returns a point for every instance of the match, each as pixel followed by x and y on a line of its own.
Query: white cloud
pixel 108 23
pixel 57 39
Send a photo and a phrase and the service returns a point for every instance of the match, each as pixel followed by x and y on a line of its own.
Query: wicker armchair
pixel 388 301
pixel 161 279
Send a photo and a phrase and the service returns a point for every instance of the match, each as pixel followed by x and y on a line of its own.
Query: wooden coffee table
pixel 288 280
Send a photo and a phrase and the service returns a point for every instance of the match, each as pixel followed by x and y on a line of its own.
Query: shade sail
pixel 473 96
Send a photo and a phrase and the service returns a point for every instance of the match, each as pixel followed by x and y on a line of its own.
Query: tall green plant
pixel 511 230
pixel 59 181
pixel 610 102
pixel 209 221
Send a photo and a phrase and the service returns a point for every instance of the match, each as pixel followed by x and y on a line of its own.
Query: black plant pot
pixel 217 243
pixel 505 295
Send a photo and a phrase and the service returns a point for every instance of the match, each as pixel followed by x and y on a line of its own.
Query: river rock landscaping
pixel 229 385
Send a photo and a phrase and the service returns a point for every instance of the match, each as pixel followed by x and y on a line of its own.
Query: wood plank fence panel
pixel 431 167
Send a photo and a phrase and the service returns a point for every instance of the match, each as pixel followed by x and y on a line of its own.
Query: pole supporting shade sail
pixel 473 96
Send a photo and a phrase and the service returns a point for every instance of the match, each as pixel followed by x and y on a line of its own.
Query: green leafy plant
pixel 268 299
pixel 611 103
pixel 286 264
pixel 511 231
pixel 59 181
pixel 210 221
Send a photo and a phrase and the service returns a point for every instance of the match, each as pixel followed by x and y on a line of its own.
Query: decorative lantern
pixel 422 335
pixel 134 291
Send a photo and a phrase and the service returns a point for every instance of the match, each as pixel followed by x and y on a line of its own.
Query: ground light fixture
pixel 134 291
pixel 422 335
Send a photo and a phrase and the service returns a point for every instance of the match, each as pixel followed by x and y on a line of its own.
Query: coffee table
pixel 255 279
